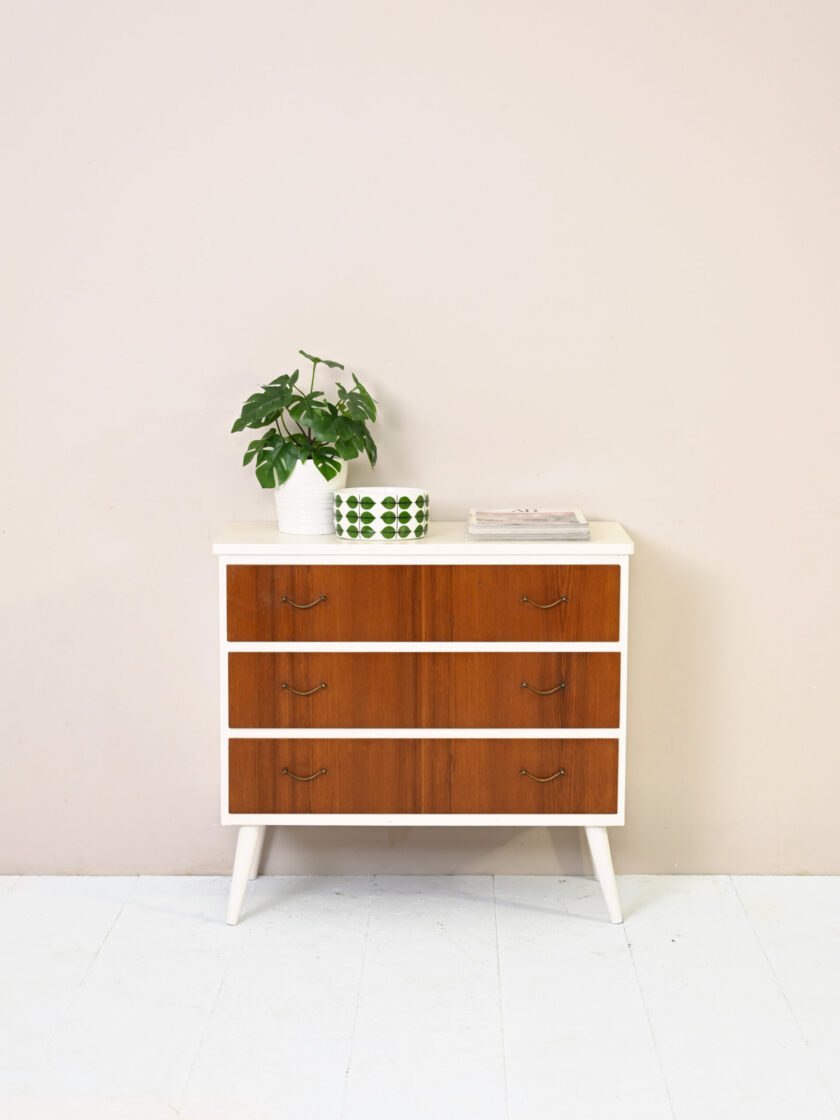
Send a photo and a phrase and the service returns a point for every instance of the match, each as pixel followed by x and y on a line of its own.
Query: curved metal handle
pixel 539 691
pixel 304 606
pixel 534 778
pixel 298 778
pixel 317 688
pixel 544 606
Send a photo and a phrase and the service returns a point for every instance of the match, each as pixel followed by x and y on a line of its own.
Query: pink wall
pixel 582 253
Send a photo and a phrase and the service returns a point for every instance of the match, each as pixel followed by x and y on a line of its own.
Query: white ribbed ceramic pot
pixel 305 501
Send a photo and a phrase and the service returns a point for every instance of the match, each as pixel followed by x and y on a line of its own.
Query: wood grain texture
pixel 423 775
pixel 423 689
pixel 430 602
pixel 485 775
pixel 487 689
pixel 487 602
pixel 363 776
pixel 365 603
pixel 363 690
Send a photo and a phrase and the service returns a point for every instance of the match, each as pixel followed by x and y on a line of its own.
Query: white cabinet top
pixel 445 538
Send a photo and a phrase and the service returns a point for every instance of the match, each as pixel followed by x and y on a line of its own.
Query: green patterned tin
pixel 381 513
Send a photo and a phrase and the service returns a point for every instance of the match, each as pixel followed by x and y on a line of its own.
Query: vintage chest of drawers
pixel 439 681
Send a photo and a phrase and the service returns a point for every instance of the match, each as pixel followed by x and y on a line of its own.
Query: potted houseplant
pixel 303 454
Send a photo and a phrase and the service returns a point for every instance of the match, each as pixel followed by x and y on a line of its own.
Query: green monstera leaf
pixel 306 425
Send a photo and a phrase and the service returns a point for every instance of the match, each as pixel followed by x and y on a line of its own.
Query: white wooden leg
pixel 246 844
pixel 599 848
pixel 255 865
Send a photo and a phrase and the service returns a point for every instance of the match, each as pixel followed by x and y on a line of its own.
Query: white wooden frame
pixel 446 544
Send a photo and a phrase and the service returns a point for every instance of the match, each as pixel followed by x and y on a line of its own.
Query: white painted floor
pixel 420 997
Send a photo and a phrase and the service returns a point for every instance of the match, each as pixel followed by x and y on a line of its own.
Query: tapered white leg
pixel 599 848
pixel 255 865
pixel 246 845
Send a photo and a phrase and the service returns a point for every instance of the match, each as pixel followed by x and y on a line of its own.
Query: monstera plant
pixel 306 442
pixel 304 425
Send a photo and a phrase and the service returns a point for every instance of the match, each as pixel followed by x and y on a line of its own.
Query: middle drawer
pixel 424 689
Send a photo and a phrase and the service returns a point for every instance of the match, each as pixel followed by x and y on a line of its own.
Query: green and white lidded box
pixel 381 513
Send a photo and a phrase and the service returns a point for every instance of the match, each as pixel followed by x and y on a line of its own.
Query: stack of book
pixel 527 525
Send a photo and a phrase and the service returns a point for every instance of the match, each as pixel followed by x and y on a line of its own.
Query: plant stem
pixel 311 387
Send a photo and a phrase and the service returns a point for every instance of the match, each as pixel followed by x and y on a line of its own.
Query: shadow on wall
pixel 674 763
pixel 426 851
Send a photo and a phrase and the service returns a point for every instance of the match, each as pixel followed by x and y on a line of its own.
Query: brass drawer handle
pixel 540 692
pixel 298 778
pixel 534 778
pixel 544 606
pixel 317 688
pixel 304 606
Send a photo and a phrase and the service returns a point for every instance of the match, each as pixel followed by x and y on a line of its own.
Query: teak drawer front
pixel 362 776
pixel 362 690
pixel 423 776
pixel 486 776
pixel 506 689
pixel 332 602
pixel 535 602
pixel 424 689
pixel 423 602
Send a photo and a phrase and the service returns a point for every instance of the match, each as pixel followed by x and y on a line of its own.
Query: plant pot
pixel 305 501
pixel 381 513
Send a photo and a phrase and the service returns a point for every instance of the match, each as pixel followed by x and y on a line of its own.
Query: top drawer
pixel 429 602
pixel 534 603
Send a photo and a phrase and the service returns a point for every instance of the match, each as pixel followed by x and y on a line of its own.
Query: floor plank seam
pixel 501 1003
pixel 108 933
pixel 75 993
pixel 362 966
pixel 17 880
pixel 652 1032
pixel 788 1004
pixel 203 1034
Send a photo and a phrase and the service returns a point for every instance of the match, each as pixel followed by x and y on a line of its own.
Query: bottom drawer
pixel 339 776
pixel 533 776
pixel 423 776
